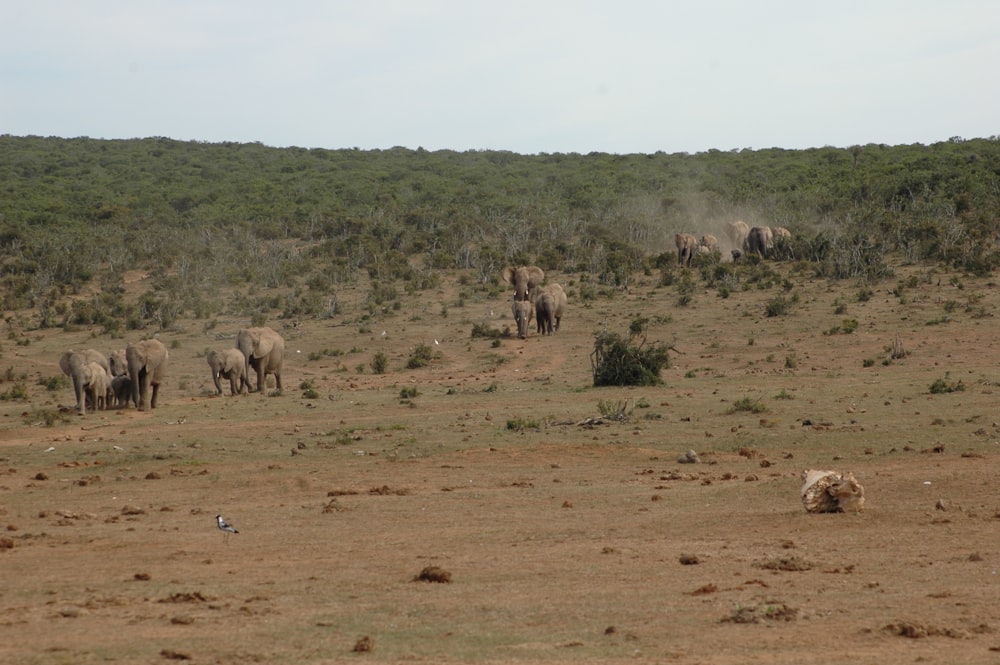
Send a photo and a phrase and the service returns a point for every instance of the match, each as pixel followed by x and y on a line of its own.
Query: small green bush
pixel 944 386
pixel 618 361
pixel 379 363
pixel 484 331
pixel 420 357
pixel 54 383
pixel 46 417
pixel 777 306
pixel 520 424
pixel 19 391
pixel 748 405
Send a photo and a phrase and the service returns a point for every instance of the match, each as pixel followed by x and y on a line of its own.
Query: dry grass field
pixel 549 534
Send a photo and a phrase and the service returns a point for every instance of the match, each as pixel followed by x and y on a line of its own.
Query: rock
pixel 690 457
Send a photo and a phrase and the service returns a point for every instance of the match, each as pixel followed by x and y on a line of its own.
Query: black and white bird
pixel 225 526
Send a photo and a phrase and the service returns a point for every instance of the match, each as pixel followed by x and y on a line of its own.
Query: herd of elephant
pixel 744 239
pixel 546 303
pixel 134 374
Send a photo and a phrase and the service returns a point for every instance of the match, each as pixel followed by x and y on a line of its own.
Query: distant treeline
pixel 73 211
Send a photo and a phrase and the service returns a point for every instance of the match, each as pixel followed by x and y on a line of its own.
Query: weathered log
pixel 831 492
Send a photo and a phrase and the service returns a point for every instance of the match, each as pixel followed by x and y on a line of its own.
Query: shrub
pixel 617 361
pixel 519 424
pixel 379 362
pixel 944 386
pixel 54 383
pixel 484 331
pixel 19 391
pixel 420 357
pixel 685 288
pixel 748 405
pixel 46 417
pixel 778 306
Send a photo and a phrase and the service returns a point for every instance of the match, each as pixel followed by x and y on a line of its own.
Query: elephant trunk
pixel 135 374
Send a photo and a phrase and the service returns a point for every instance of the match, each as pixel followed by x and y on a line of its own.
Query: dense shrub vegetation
pixel 198 217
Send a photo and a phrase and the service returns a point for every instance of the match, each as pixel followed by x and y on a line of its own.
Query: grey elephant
pixel 550 305
pixel 738 232
pixel 121 391
pixel 147 367
pixel 760 241
pixel 523 311
pixel 264 350
pixel 687 245
pixel 117 363
pixel 97 385
pixel 229 364
pixel 524 279
pixel 73 364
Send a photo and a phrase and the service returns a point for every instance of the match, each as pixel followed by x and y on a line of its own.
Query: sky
pixel 528 76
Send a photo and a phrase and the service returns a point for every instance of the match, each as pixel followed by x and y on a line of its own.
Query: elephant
pixel 73 364
pixel 738 232
pixel 524 279
pixel 523 310
pixel 97 385
pixel 121 391
pixel 550 305
pixel 781 232
pixel 687 245
pixel 264 350
pixel 147 367
pixel 760 241
pixel 117 363
pixel 229 364
pixel 710 242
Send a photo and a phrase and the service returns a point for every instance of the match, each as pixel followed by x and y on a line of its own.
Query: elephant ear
pixel 508 275
pixel 64 363
pixel 535 276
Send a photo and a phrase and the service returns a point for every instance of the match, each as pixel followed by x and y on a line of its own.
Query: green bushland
pixel 203 220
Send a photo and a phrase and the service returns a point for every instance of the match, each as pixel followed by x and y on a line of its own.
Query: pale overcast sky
pixel 530 76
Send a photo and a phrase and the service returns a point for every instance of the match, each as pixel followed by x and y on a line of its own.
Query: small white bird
pixel 226 527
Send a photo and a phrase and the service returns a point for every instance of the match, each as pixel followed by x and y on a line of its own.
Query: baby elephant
pixel 229 364
pixel 549 307
pixel 121 389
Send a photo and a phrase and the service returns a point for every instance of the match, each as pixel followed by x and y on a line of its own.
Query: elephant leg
pixel 143 382
pixel 277 380
pixel 152 398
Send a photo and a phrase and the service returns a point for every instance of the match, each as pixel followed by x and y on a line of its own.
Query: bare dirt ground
pixel 548 536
